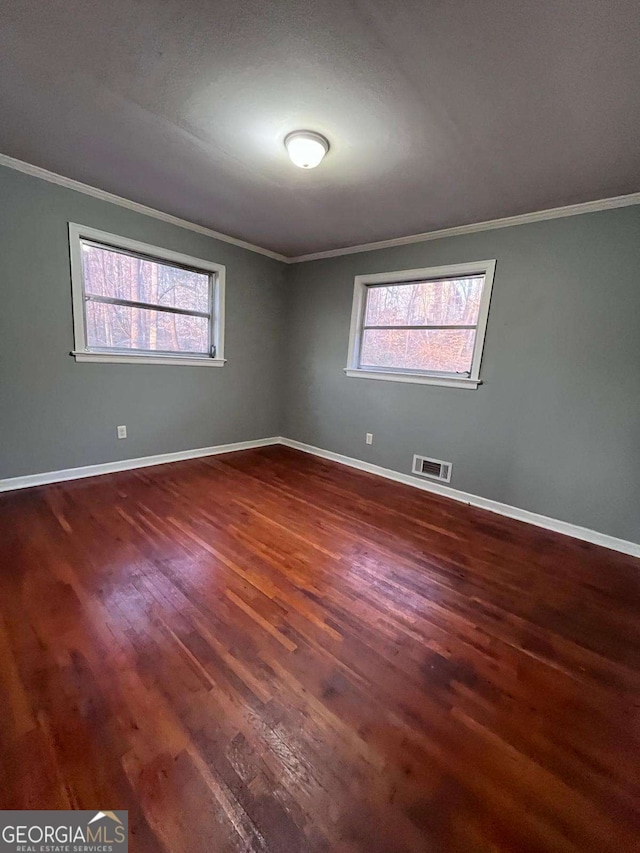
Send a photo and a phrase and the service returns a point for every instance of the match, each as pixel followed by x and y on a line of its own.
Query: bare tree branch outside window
pixel 112 276
pixel 423 325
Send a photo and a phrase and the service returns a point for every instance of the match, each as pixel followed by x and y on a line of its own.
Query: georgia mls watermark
pixel 64 832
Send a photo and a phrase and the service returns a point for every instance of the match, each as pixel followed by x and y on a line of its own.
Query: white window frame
pixel 361 285
pixel 83 352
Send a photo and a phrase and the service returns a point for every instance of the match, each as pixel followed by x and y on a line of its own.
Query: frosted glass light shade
pixel 306 149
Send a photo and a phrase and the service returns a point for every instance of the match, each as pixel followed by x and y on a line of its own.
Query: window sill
pixel 121 358
pixel 414 378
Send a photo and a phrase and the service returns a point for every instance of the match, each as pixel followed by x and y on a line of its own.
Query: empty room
pixel 319 426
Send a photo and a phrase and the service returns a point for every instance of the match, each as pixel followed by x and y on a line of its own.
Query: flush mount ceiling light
pixel 306 148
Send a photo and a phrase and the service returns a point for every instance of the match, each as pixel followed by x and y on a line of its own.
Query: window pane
pixel 445 350
pixel 451 302
pixel 120 276
pixel 142 329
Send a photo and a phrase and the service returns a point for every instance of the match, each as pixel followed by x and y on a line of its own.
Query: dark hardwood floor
pixel 264 651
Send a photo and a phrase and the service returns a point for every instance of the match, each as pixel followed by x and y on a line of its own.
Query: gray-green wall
pixel 554 429
pixel 56 413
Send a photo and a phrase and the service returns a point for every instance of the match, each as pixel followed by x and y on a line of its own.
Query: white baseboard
pixel 544 521
pixel 474 500
pixel 128 464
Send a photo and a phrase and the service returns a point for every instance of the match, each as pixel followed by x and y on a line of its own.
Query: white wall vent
pixel 435 469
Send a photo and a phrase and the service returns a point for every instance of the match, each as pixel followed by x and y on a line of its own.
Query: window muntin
pixel 134 302
pixel 423 326
pixel 427 326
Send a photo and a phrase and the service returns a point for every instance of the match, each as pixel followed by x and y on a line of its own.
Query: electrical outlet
pixel 369 438
pixel 122 432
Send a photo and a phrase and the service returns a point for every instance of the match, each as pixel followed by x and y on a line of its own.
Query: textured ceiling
pixel 439 112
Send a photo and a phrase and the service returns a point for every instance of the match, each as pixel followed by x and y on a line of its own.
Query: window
pixel 137 303
pixel 423 326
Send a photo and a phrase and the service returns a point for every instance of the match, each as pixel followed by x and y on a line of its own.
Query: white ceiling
pixel 439 112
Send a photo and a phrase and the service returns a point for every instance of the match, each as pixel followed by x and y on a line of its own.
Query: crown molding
pixel 103 195
pixel 472 228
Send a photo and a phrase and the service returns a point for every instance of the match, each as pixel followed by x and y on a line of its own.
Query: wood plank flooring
pixel 264 651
